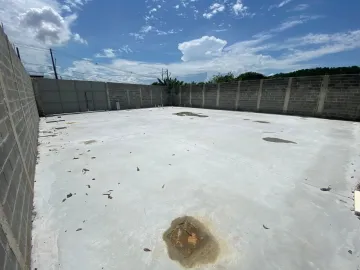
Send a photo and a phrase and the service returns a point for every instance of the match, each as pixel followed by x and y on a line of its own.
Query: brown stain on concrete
pixel 190 243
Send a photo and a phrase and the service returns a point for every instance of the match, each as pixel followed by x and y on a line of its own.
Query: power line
pixel 31 46
pixel 86 60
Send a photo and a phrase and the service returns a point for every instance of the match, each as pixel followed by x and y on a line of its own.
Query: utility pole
pixel 53 63
pixel 18 53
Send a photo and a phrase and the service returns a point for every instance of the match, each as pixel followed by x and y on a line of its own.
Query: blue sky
pixel 132 41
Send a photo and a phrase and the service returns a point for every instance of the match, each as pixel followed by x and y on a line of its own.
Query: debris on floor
pixel 266 228
pixel 147 250
pixel 85 170
pixel 326 189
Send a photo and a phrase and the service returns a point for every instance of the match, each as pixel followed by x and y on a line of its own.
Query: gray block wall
pixel 343 97
pixel 273 95
pixel 210 96
pixel 248 96
pixel 336 96
pixel 64 96
pixel 18 143
pixel 304 95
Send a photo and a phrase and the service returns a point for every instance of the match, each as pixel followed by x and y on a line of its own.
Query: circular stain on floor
pixel 190 243
pixel 277 140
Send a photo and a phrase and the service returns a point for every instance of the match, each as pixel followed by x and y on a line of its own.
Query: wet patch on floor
pixel 277 140
pixel 190 114
pixel 190 243
pixel 90 142
pixel 263 122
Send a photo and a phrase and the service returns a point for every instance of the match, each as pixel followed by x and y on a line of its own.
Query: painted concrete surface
pixel 158 166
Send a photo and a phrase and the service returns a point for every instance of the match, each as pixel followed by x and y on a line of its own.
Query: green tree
pixel 169 82
pixel 250 76
pixel 229 77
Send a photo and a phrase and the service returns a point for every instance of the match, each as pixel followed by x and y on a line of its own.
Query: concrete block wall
pixel 343 97
pixel 304 95
pixel 18 143
pixel 134 96
pixel 248 95
pixel 273 94
pixel 336 96
pixel 64 96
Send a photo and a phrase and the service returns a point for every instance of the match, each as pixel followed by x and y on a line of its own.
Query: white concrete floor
pixel 216 169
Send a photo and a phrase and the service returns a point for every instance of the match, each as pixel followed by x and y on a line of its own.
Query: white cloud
pixel 137 35
pixel 214 9
pixel 107 53
pixel 210 55
pixel 177 6
pixel 146 29
pixel 239 8
pixel 66 8
pixel 280 5
pixel 300 7
pixel 125 49
pixel 169 32
pixel 48 25
pixel 283 3
pixel 294 21
pixel 76 3
pixel 203 48
pixel 79 39
pixel 152 10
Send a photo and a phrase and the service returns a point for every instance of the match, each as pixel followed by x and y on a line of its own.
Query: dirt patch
pixel 263 122
pixel 357 187
pixel 190 243
pixel 277 140
pixel 190 114
pixel 90 142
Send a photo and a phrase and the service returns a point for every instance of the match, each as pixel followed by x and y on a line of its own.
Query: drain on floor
pixel 277 140
pixel 190 114
pixel 190 243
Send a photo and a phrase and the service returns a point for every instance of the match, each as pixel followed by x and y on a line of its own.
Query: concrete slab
pixel 109 185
